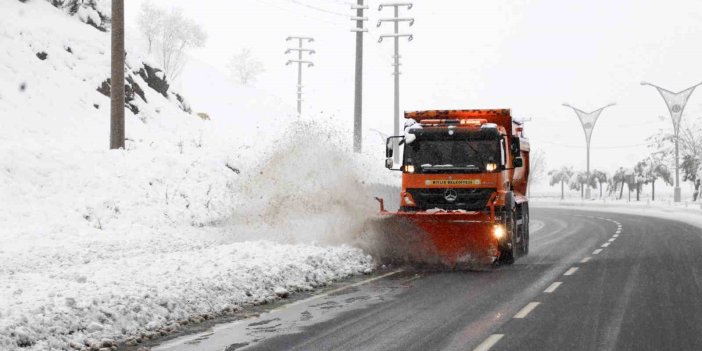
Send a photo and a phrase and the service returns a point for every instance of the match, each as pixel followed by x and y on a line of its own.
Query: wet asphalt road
pixel 592 281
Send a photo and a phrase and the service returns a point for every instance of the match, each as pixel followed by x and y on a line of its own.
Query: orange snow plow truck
pixel 464 182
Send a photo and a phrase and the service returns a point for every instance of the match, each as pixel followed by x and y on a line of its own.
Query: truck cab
pixel 469 162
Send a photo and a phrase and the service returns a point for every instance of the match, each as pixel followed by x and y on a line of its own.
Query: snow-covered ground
pixel 196 218
pixel 688 212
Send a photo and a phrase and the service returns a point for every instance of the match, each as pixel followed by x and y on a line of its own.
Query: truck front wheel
pixel 509 249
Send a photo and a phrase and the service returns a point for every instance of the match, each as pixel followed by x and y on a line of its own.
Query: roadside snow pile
pixel 690 213
pixel 120 290
pixel 105 246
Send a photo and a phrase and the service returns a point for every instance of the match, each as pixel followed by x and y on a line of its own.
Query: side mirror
pixel 391 147
pixel 517 162
pixel 392 143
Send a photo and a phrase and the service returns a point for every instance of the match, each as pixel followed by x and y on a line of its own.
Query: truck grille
pixel 469 199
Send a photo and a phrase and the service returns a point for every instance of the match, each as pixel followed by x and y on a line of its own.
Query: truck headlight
pixel 409 169
pixel 498 231
pixel 491 167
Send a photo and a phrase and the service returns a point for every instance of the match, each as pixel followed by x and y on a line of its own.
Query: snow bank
pixel 690 213
pixel 116 289
pixel 195 219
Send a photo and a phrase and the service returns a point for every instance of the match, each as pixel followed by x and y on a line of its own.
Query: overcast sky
pixel 528 55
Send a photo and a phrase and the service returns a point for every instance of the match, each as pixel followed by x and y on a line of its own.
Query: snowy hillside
pixel 195 219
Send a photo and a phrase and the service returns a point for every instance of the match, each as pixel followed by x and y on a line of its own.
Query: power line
pixel 287 10
pixel 296 2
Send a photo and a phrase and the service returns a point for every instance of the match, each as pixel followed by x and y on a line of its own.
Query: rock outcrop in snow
pixel 154 78
pixel 96 13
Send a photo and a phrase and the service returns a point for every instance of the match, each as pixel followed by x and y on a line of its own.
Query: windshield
pixel 451 154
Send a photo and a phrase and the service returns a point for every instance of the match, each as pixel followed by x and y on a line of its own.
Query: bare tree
pixel 537 167
pixel 150 22
pixel 117 76
pixel 245 68
pixel 178 35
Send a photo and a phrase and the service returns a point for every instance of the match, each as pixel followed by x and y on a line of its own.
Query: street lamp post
pixel 588 120
pixel 676 105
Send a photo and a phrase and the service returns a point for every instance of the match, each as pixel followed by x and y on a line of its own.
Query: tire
pixel 509 250
pixel 525 230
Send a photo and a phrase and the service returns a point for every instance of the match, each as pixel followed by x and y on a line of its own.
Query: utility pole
pixel 588 120
pixel 676 103
pixel 396 35
pixel 358 93
pixel 117 76
pixel 300 51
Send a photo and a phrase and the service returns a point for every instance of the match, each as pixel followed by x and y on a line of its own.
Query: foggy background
pixel 530 56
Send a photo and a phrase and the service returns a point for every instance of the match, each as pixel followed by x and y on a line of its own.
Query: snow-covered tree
pixel 580 180
pixel 178 35
pixel 663 144
pixel 600 177
pixel 244 68
pixel 150 22
pixel 619 178
pixel 561 176
pixel 650 170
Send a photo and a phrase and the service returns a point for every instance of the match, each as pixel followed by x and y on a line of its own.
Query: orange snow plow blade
pixel 445 238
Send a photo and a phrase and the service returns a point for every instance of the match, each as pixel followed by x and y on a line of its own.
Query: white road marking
pixel 489 342
pixel 610 240
pixel 605 244
pixel 536 225
pixel 586 259
pixel 571 271
pixel 597 252
pixel 526 310
pixel 615 235
pixel 553 287
pixel 619 231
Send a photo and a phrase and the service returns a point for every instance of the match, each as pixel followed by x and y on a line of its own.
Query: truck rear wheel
pixel 525 230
